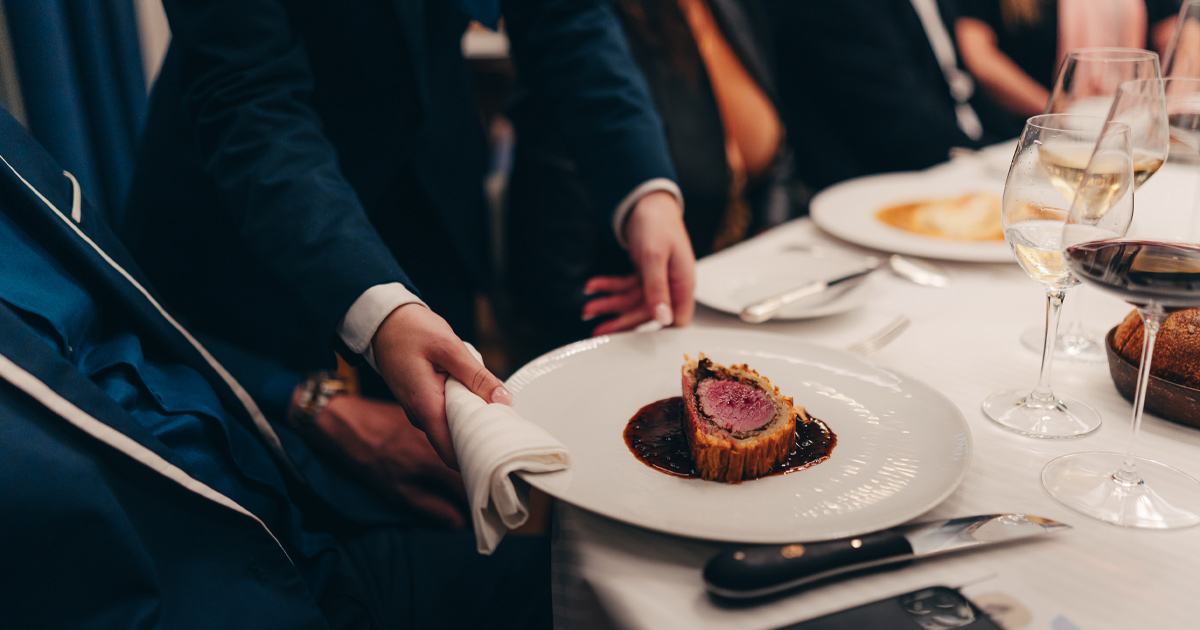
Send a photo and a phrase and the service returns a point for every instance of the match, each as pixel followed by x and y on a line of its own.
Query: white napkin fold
pixel 492 441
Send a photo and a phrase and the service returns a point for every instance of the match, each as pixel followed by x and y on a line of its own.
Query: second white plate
pixel 847 211
pixel 732 279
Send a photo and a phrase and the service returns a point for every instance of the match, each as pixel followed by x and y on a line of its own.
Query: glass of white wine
pixel 1087 83
pixel 1042 183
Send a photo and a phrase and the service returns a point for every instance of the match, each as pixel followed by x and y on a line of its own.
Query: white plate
pixel 732 279
pixel 902 447
pixel 847 211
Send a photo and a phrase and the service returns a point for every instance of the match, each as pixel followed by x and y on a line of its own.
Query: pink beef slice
pixel 733 406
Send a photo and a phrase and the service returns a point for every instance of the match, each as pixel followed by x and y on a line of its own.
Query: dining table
pixel 963 341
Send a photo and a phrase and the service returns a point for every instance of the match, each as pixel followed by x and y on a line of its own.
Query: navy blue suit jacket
pixel 104 527
pixel 287 140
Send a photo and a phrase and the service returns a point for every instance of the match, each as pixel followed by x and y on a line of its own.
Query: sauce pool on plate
pixel 655 436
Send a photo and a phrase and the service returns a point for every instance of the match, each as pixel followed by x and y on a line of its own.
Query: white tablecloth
pixel 964 342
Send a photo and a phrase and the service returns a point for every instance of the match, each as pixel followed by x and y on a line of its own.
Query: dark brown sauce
pixel 655 436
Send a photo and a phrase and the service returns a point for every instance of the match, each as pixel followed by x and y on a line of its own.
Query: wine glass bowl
pixel 1182 59
pixel 1151 259
pixel 1142 104
pixel 1049 167
pixel 1089 83
pixel 1088 78
pixel 1181 96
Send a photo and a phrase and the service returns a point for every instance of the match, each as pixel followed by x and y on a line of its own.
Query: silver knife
pixel 766 569
pixel 761 311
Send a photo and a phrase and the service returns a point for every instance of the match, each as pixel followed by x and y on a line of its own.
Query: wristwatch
pixel 316 392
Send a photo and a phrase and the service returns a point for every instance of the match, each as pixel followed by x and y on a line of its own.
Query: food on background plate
pixel 970 217
pixel 1176 348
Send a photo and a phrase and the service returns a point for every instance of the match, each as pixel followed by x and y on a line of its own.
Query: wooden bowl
pixel 1175 402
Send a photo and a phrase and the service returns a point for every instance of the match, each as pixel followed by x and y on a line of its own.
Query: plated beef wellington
pixel 738 425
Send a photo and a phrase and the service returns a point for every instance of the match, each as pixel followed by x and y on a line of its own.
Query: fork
pixel 876 341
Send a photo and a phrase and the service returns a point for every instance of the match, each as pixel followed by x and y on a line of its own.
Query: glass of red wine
pixel 1151 260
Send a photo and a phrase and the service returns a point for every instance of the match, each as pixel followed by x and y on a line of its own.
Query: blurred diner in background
pixel 1015 47
pixel 876 86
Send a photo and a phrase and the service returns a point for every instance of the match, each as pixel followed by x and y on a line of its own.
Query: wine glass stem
pixel 1054 302
pixel 1074 326
pixel 1152 318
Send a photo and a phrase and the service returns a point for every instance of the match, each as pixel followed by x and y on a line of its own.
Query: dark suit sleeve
pixel 245 84
pixel 857 96
pixel 572 56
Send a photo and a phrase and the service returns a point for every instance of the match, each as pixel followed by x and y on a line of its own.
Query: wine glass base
pixel 1167 498
pixel 1063 418
pixel 1085 346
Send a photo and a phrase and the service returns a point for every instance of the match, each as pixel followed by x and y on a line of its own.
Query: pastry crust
pixel 721 455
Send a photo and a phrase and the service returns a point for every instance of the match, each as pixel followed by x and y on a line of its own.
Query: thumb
pixel 460 364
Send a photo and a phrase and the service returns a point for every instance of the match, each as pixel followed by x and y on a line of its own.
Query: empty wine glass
pixel 1088 78
pixel 1151 260
pixel 1182 102
pixel 1141 104
pixel 1182 59
pixel 1086 84
pixel 1041 185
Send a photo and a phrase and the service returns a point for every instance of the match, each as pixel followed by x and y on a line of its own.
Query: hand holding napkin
pixel 492 441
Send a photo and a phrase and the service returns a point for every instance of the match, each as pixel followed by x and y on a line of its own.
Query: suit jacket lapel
pixel 36 194
pixel 949 17
pixel 105 267
pixel 411 15
pixel 917 29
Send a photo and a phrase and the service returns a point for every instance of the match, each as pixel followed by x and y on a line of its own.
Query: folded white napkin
pixel 492 441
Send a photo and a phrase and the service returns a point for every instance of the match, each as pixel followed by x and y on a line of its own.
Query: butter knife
pixel 764 310
pixel 762 570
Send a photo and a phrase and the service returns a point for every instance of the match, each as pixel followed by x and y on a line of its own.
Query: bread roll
pixel 1176 349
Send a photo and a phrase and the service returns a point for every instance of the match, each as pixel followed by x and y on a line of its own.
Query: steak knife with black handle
pixel 756 571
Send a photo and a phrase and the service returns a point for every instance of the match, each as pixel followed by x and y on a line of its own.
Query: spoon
pixel 921 272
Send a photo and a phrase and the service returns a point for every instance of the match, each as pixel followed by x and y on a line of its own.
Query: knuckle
pixel 654 255
pixel 479 379
pixel 443 349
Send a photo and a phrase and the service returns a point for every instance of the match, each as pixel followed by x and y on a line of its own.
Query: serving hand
pixel 662 287
pixel 415 350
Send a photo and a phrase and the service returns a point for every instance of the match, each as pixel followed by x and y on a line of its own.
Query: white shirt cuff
pixel 367 313
pixel 651 185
